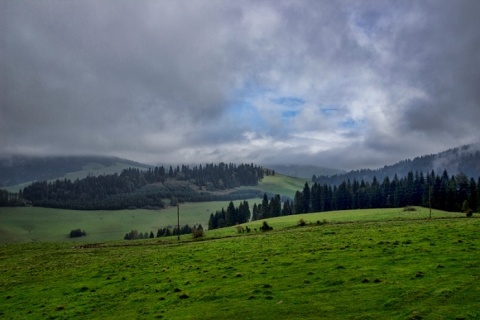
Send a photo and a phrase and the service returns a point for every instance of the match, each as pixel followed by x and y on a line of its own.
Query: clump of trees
pixel 241 214
pixel 134 235
pixel 196 231
pixel 10 199
pixel 134 188
pixel 230 217
pixel 449 193
pixel 77 233
pixel 265 226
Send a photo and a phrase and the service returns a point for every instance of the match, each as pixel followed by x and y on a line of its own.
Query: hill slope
pixel 304 172
pixel 465 159
pixel 408 269
pixel 16 170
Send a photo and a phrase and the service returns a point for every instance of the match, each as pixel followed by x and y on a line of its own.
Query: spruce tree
pixel 306 198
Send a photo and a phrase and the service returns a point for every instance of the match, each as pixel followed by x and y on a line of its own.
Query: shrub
pixel 132 235
pixel 265 226
pixel 469 213
pixel 77 233
pixel 409 208
pixel 240 229
pixel 197 231
pixel 319 223
pixel 302 222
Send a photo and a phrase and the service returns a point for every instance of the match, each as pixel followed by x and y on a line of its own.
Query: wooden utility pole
pixel 178 221
pixel 430 200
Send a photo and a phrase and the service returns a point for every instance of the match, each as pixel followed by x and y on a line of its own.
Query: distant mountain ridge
pixel 464 159
pixel 304 171
pixel 17 169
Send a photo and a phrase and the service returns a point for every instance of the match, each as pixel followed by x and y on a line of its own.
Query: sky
pixel 339 84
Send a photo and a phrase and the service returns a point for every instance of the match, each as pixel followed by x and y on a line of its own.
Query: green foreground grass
pixel 365 264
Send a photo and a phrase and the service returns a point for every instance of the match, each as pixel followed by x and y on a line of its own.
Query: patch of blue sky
pixel 329 111
pixel 250 90
pixel 351 124
pixel 289 101
pixel 290 114
pixel 245 113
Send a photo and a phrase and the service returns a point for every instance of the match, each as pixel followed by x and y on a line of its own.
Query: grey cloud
pixel 153 79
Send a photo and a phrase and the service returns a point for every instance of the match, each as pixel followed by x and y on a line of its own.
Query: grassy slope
pixel 26 224
pixel 41 224
pixel 281 184
pixel 400 269
pixel 90 169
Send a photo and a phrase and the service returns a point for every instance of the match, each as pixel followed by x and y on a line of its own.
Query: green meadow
pixel 32 224
pixel 362 265
pixel 281 184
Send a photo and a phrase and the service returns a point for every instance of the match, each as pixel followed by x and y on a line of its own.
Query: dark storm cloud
pixel 444 50
pixel 240 81
pixel 97 70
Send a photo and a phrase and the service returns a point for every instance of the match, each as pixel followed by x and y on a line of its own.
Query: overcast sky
pixel 341 84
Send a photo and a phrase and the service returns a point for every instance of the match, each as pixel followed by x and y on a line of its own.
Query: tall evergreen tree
pixel 287 208
pixel 306 198
pixel 264 209
pixel 315 194
pixel 275 206
pixel 298 203
pixel 230 215
pixel 472 197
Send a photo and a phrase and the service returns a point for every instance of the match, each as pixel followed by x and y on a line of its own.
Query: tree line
pixel 443 192
pixel 456 193
pixel 135 188
pixel 196 231
pixel 241 214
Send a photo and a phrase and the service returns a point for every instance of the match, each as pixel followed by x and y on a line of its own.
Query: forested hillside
pixel 304 171
pixel 456 193
pixel 16 169
pixel 465 159
pixel 442 191
pixel 134 188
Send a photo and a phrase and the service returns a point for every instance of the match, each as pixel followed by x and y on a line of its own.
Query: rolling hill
pixel 363 265
pixel 465 159
pixel 303 171
pixel 18 171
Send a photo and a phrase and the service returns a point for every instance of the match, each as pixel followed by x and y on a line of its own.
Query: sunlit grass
pixel 358 269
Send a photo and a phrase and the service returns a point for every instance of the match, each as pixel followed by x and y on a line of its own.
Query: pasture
pixel 281 184
pixel 364 265
pixel 27 224
pixel 33 224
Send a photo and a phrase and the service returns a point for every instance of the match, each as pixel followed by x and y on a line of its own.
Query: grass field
pixel 27 224
pixel 41 224
pixel 282 185
pixel 369 264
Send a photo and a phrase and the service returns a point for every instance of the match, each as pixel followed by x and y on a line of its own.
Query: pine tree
pixel 298 203
pixel 275 206
pixel 255 212
pixel 316 198
pixel 478 195
pixel 287 208
pixel 230 215
pixel 264 209
pixel 306 198
pixel 472 197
